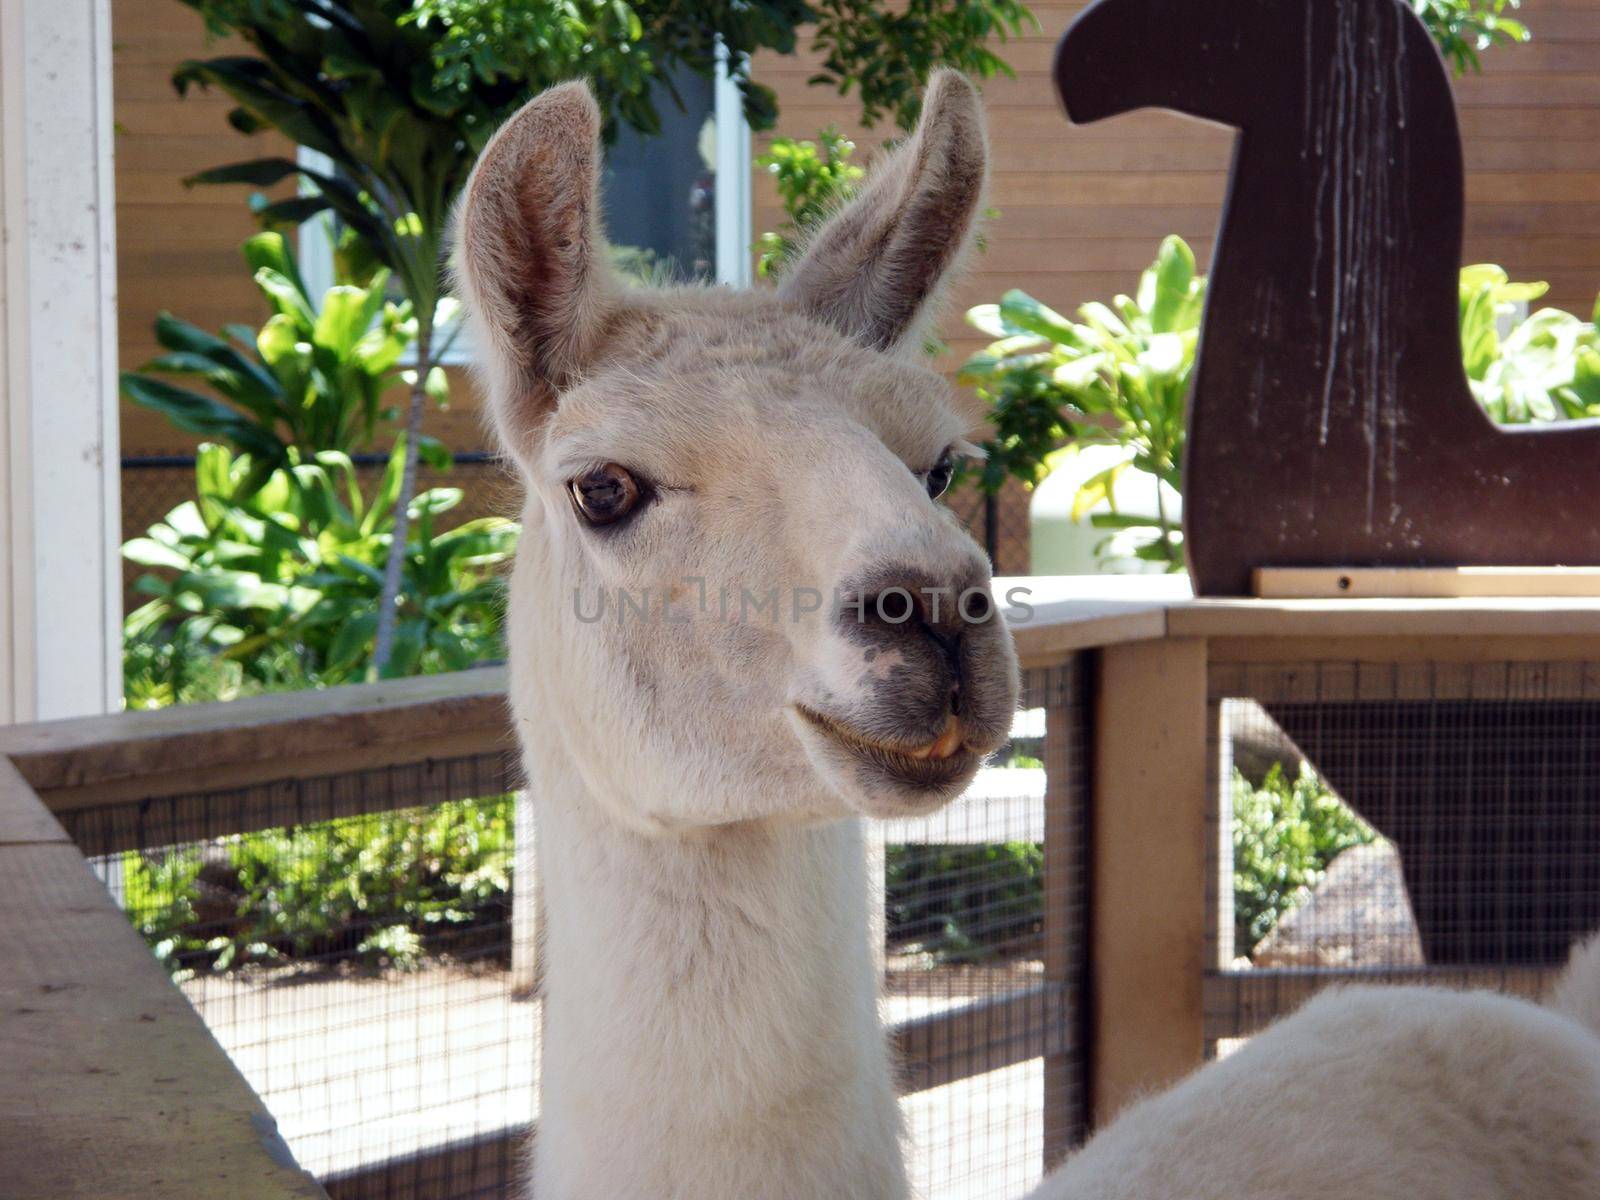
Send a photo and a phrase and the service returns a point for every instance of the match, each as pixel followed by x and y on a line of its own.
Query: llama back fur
pixel 1391 1093
pixel 1577 993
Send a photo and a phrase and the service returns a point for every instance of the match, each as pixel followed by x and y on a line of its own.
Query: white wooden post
pixel 60 583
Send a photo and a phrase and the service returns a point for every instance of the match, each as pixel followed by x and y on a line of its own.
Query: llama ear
pixel 530 256
pixel 874 270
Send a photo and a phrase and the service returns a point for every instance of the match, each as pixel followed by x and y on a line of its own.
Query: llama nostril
pixel 976 606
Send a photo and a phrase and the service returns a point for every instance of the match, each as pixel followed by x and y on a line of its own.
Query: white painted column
pixel 735 248
pixel 60 582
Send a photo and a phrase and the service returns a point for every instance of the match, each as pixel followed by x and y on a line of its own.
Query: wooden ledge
pixel 110 1083
pixel 212 745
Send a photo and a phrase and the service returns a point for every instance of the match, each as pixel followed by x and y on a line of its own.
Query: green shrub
pixel 1463 28
pixel 1285 833
pixel 380 890
pixel 813 178
pixel 1117 376
pixel 284 580
pixel 312 378
pixel 962 904
pixel 1547 368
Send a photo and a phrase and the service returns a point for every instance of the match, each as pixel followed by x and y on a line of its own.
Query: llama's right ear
pixel 531 259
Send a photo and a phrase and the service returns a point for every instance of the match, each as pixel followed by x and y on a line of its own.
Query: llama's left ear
pixel 531 259
pixel 874 270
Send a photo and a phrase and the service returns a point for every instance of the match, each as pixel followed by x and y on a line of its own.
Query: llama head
pixel 737 595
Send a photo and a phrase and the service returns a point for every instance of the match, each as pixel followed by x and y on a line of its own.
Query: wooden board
pixel 198 745
pixel 1149 832
pixel 1510 616
pixel 24 821
pixel 1395 582
pixel 110 1084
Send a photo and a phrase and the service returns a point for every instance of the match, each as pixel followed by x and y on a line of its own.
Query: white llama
pixel 734 625
pixel 1375 1093
pixel 738 620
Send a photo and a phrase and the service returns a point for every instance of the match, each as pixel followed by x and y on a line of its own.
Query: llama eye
pixel 938 479
pixel 605 495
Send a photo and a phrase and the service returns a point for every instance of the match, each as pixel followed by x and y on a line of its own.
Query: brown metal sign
pixel 1330 423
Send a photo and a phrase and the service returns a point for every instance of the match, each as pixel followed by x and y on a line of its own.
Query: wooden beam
pixel 492 1165
pixel 1455 650
pixel 1066 763
pixel 1148 870
pixel 1517 616
pixel 1352 583
pixel 1241 1003
pixel 210 746
pixel 110 1083
pixel 977 1038
pixel 23 820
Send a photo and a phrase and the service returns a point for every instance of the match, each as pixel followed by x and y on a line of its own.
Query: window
pixel 677 205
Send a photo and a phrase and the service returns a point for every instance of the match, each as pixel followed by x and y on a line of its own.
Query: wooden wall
pixel 1082 210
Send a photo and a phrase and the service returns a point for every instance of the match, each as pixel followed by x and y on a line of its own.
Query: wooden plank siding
pixel 1081 209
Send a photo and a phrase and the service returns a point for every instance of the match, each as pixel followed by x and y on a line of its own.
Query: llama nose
pixel 897 607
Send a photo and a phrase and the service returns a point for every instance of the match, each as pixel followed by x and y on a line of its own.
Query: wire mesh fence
pixel 361 945
pixel 985 908
pixel 998 523
pixel 1399 822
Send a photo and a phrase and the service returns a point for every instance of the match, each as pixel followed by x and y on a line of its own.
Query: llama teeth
pixel 947 743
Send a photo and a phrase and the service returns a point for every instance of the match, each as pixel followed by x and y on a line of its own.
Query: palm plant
pixel 313 377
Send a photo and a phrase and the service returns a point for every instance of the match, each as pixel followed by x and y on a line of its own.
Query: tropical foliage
pixel 313 377
pixel 1463 29
pixel 1546 368
pixel 284 580
pixel 813 178
pixel 1119 375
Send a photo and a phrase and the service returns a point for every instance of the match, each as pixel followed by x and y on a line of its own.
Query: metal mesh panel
pixel 985 907
pixel 362 946
pixel 998 523
pixel 1399 822
pixel 349 941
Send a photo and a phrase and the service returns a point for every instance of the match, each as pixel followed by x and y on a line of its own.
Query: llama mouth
pixel 934 764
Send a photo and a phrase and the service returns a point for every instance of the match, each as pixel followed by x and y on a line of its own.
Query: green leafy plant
pixel 1462 29
pixel 813 178
pixel 313 377
pixel 1285 833
pixel 383 890
pixel 1119 375
pixel 963 904
pixel 285 580
pixel 1547 367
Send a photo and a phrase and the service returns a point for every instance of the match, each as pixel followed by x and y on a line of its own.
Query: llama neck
pixel 711 1023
